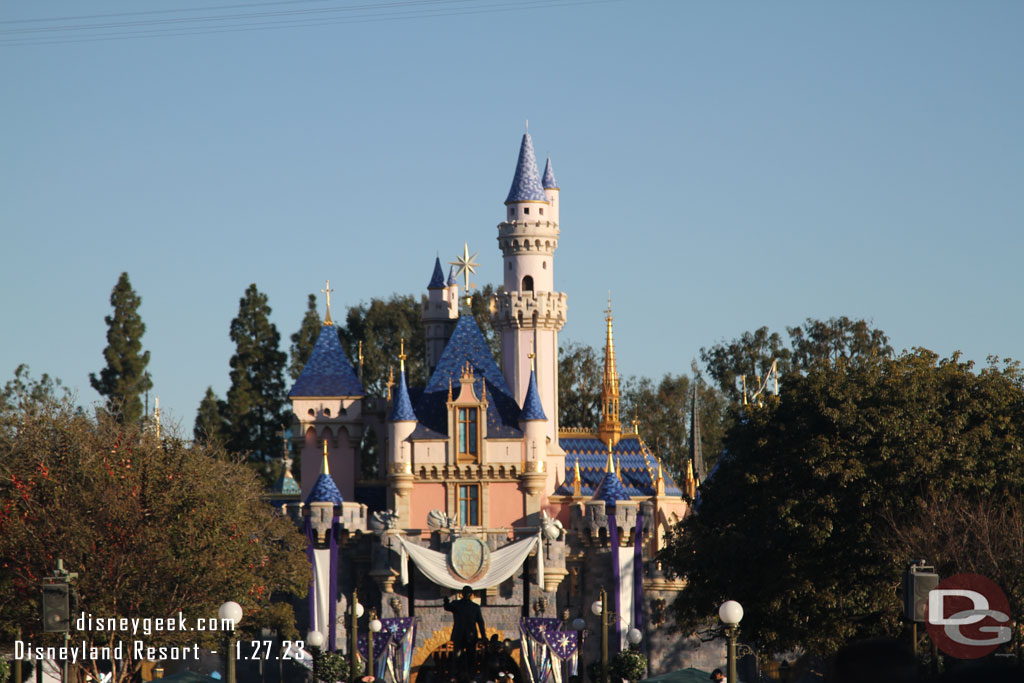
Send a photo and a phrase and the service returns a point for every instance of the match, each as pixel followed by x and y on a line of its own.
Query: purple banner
pixel 562 643
pixel 537 627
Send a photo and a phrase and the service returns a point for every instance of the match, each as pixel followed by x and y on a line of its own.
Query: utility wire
pixel 136 31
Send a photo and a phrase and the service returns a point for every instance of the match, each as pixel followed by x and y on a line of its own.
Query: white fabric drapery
pixel 504 563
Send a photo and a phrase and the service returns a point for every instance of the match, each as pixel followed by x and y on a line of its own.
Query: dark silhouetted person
pixel 467 617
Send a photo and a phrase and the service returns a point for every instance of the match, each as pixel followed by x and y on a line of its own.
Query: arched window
pixel 467 434
pixel 528 283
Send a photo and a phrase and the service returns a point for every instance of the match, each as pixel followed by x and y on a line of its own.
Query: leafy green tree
pixel 380 325
pixel 480 305
pixel 663 415
pixel 124 379
pixel 813 482
pixel 751 354
pixel 152 527
pixel 210 423
pixel 304 340
pixel 835 339
pixel 255 401
pixel 579 386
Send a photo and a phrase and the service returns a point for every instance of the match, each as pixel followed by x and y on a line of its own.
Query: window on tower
pixel 526 210
pixel 469 504
pixel 541 211
pixel 528 283
pixel 468 434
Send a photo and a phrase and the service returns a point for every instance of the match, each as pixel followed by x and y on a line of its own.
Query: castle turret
pixel 533 422
pixel 551 189
pixel 529 313
pixel 327 405
pixel 401 424
pixel 440 313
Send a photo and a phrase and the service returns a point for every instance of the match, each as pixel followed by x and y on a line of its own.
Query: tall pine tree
pixel 209 424
pixel 124 379
pixel 257 394
pixel 305 338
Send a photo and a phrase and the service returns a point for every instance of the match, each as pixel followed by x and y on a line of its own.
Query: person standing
pixel 467 617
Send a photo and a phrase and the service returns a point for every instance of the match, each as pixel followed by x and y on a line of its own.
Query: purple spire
pixel 526 185
pixel 532 408
pixel 451 277
pixel 549 181
pixel 437 279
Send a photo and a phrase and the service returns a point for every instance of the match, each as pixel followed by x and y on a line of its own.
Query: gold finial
pixel 618 467
pixel 359 353
pixel 391 379
pixel 449 389
pixel 610 465
pixel 577 485
pixel 401 353
pixel 327 291
pixel 325 468
pixel 689 471
pixel 533 361
pixel 610 428
pixel 466 266
pixel 661 475
pixel 636 425
pixel 156 416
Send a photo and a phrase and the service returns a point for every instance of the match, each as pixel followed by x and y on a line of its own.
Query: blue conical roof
pixel 325 490
pixel 532 408
pixel 549 181
pixel 437 279
pixel 401 406
pixel 611 490
pixel 451 277
pixel 328 371
pixel 526 185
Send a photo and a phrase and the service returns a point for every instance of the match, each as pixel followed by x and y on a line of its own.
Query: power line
pixel 282 22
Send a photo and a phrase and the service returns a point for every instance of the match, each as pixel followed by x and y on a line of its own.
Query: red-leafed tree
pixel 153 526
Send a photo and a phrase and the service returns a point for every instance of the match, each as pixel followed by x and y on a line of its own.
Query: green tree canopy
pixel 579 385
pixel 305 338
pixel 810 483
pixel 152 527
pixel 256 399
pixel 124 379
pixel 210 424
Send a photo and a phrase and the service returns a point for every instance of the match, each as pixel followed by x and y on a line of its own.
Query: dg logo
pixel 968 616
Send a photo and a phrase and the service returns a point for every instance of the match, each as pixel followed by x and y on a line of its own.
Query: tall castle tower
pixel 529 312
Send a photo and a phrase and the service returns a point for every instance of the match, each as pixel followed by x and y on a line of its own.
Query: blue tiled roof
pixel 526 185
pixel 286 485
pixel 532 408
pixel 611 490
pixel 549 181
pixel 328 372
pixel 637 464
pixel 324 491
pixel 451 276
pixel 437 279
pixel 467 344
pixel 401 406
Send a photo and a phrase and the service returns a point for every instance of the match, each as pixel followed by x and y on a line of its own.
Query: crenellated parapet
pixel 529 309
pixel 351 518
pixel 528 237
pixel 590 521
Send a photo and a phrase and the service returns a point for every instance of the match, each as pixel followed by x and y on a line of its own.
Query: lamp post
pixel 374 627
pixel 600 608
pixel 731 612
pixel 232 612
pixel 315 640
pixel 355 611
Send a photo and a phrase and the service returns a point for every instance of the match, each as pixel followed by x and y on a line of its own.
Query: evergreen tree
pixel 124 379
pixel 210 425
pixel 305 338
pixel 256 398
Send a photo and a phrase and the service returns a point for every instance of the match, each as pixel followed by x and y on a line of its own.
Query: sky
pixel 723 166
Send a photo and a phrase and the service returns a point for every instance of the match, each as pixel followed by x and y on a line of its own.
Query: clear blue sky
pixel 723 166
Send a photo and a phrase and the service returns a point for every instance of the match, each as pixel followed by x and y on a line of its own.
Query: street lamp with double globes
pixel 633 635
pixel 315 640
pixel 230 612
pixel 731 612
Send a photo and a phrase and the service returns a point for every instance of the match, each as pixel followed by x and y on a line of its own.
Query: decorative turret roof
pixel 611 490
pixel 437 279
pixel 451 276
pixel 532 408
pixel 610 428
pixel 467 345
pixel 549 181
pixel 401 406
pixel 526 185
pixel 325 490
pixel 328 371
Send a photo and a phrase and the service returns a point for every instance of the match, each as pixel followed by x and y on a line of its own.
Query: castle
pixel 483 486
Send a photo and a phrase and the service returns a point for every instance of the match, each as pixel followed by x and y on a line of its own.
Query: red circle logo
pixel 968 616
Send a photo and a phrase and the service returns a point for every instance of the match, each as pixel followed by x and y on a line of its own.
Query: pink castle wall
pixel 423 499
pixel 505 504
